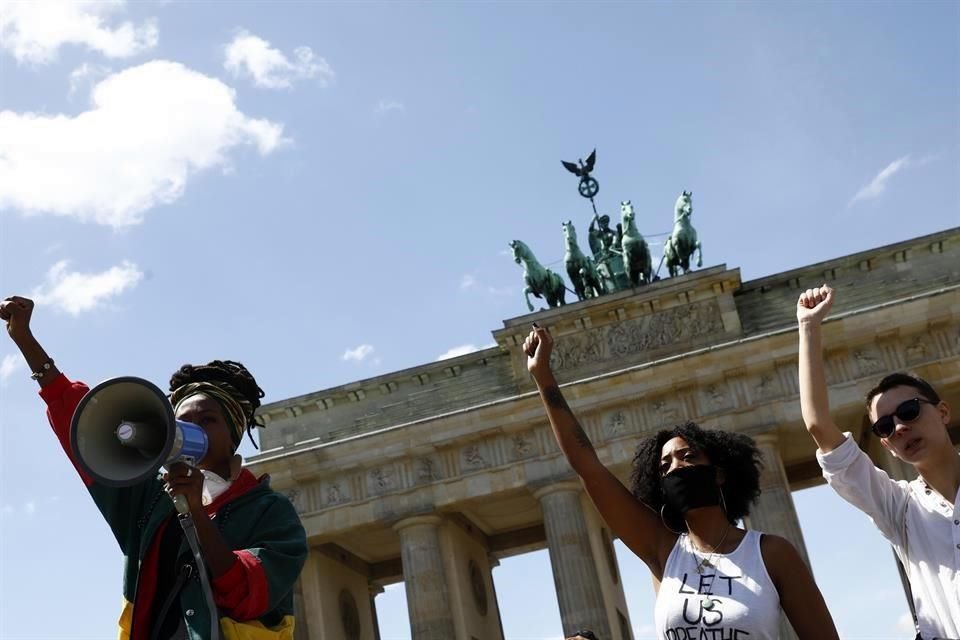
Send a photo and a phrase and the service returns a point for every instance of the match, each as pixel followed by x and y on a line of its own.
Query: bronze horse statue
pixel 541 282
pixel 679 247
pixel 636 253
pixel 581 270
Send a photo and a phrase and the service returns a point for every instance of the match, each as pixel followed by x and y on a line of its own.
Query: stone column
pixel 333 601
pixel 307 607
pixel 428 595
pixel 375 590
pixel 494 563
pixel 301 629
pixel 774 511
pixel 579 593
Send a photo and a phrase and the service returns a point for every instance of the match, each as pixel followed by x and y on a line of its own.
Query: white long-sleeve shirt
pixel 922 526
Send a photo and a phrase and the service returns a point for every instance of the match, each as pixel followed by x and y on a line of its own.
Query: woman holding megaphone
pixel 252 542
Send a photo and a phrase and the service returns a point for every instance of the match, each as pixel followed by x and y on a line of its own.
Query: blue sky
pixel 326 191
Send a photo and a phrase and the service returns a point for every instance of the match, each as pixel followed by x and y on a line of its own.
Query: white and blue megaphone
pixel 124 430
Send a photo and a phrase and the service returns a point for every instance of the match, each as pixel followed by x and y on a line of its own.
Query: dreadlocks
pixel 227 382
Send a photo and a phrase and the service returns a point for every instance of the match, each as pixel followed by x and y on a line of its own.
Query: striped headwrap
pixel 236 409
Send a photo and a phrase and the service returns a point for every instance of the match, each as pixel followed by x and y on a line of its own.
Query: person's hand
pixel 182 479
pixel 16 312
pixel 538 346
pixel 814 304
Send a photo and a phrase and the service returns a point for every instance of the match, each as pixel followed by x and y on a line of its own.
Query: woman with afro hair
pixel 690 487
pixel 253 543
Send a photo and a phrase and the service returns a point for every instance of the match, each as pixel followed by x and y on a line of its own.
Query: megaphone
pixel 124 430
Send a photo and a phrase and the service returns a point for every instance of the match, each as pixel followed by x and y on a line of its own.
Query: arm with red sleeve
pixel 121 507
pixel 263 575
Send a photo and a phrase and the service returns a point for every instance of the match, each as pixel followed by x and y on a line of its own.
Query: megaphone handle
pixel 180 502
pixel 190 533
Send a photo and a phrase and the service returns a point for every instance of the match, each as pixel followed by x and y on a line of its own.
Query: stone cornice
pixel 386 384
pixel 860 261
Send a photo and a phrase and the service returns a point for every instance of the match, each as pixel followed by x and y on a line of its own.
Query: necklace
pixel 707 561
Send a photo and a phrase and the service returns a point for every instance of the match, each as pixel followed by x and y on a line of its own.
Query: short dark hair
pixel 901 379
pixel 735 454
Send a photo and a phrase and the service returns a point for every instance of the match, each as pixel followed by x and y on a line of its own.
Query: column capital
pixel 428 519
pixel 569 486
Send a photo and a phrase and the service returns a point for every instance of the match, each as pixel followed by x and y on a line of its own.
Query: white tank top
pixel 732 600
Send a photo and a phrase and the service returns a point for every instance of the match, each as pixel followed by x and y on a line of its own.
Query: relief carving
pixel 478 587
pixel 334 495
pixel 295 496
pixel 473 459
pixel 521 447
pixel 381 480
pixel 916 351
pixel 686 323
pixel 767 387
pixel 349 615
pixel 868 362
pixel 616 425
pixel 664 413
pixel 426 471
pixel 717 398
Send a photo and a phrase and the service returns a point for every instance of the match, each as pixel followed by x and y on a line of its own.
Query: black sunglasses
pixel 906 411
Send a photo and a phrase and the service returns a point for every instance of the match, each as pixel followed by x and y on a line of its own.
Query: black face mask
pixel 691 487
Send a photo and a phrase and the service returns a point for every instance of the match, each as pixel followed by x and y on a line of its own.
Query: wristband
pixel 39 373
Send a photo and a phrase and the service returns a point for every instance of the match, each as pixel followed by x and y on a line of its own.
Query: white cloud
pixel 148 130
pixel 385 106
pixel 463 350
pixel 9 365
pixel 85 75
pixel 359 354
pixel 458 351
pixel 270 68
pixel 76 292
pixel 503 291
pixel 876 187
pixel 34 30
pixel 469 282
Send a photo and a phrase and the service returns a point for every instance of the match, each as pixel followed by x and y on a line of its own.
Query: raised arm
pixel 812 307
pixel 800 596
pixel 16 312
pixel 637 525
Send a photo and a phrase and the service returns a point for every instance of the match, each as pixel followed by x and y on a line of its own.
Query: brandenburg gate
pixel 429 475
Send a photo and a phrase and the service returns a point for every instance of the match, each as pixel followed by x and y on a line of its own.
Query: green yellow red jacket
pixel 254 597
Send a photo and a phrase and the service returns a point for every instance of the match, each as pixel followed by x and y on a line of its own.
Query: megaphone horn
pixel 124 430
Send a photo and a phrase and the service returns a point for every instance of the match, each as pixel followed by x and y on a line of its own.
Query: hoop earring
pixel 664 521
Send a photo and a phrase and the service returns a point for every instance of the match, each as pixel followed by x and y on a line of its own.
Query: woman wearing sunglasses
pixel 689 487
pixel 921 519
